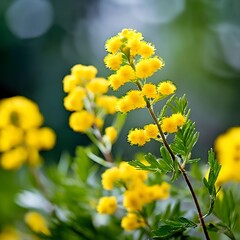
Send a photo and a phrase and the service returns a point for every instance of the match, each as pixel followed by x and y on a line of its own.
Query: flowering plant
pixel 95 194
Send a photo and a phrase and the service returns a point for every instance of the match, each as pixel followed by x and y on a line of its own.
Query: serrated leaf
pixel 153 166
pixel 172 227
pixel 221 228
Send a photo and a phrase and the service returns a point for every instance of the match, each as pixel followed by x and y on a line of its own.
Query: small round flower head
pixel 132 221
pixel 166 88
pixel 126 73
pixel 81 121
pixel 151 131
pixel 107 205
pixel 156 63
pixel 37 223
pixel 172 123
pixel 129 33
pixel 70 82
pixel 116 81
pixel 137 137
pixel 109 177
pixel 74 100
pixel 136 98
pixel 149 90
pixel 111 133
pixel 97 86
pixel 124 105
pixel 132 200
pixel 14 158
pixel 146 50
pixel 134 45
pixel 113 61
pixel 143 69
pixel 113 44
pixel 98 122
pixel 84 72
pixel 108 103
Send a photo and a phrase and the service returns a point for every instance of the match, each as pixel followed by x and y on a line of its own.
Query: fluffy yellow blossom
pixel 113 44
pixel 166 88
pixel 109 177
pixel 124 104
pixel 21 112
pixel 10 136
pixel 158 192
pixel 42 138
pixel 156 63
pixel 107 205
pixel 171 124
pixel 74 100
pixel 37 223
pixel 151 131
pixel 146 50
pixel 126 73
pixel 136 98
pixel 149 90
pixel 14 158
pixel 108 103
pixel 116 81
pixel 98 86
pixel 134 45
pixel 81 121
pixel 83 72
pixel 132 221
pixel 70 82
pixel 129 33
pixel 227 147
pixel 98 122
pixel 113 61
pixel 138 137
pixel 111 133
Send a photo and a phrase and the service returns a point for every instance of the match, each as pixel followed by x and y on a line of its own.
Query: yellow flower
pixel 124 104
pixel 133 199
pixel 8 233
pixel 107 205
pixel 81 121
pixel 111 133
pixel 151 131
pixel 10 136
pixel 37 223
pixel 98 86
pixel 116 81
pixel 143 69
pixel 136 98
pixel 108 103
pixel 21 112
pixel 166 88
pixel 14 158
pixel 113 61
pixel 98 122
pixel 156 63
pixel 146 50
pixel 138 137
pixel 74 100
pixel 134 45
pixel 171 124
pixel 126 73
pixel 158 192
pixel 70 82
pixel 129 33
pixel 149 90
pixel 84 72
pixel 113 44
pixel 109 177
pixel 132 221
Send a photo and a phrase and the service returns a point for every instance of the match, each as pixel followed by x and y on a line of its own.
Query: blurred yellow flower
pixel 107 205
pixel 132 221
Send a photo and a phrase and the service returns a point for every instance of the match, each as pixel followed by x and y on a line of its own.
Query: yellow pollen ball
pixel 113 44
pixel 126 73
pixel 108 103
pixel 107 205
pixel 149 90
pixel 136 98
pixel 137 137
pixel 109 177
pixel 81 121
pixel 166 88
pixel 146 50
pixel 113 61
pixel 98 86
pixel 111 133
pixel 151 130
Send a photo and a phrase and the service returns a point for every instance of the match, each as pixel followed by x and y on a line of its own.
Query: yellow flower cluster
pixel 227 147
pixel 8 233
pixel 136 193
pixel 172 123
pixel 37 223
pixel 21 134
pixel 87 100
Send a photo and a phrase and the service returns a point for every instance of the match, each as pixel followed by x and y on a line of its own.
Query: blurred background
pixel 198 39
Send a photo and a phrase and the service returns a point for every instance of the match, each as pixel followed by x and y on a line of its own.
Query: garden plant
pixel 96 195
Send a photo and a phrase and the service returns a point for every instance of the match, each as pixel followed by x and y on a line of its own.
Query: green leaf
pixel 172 227
pixel 153 166
pixel 184 141
pixel 221 228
